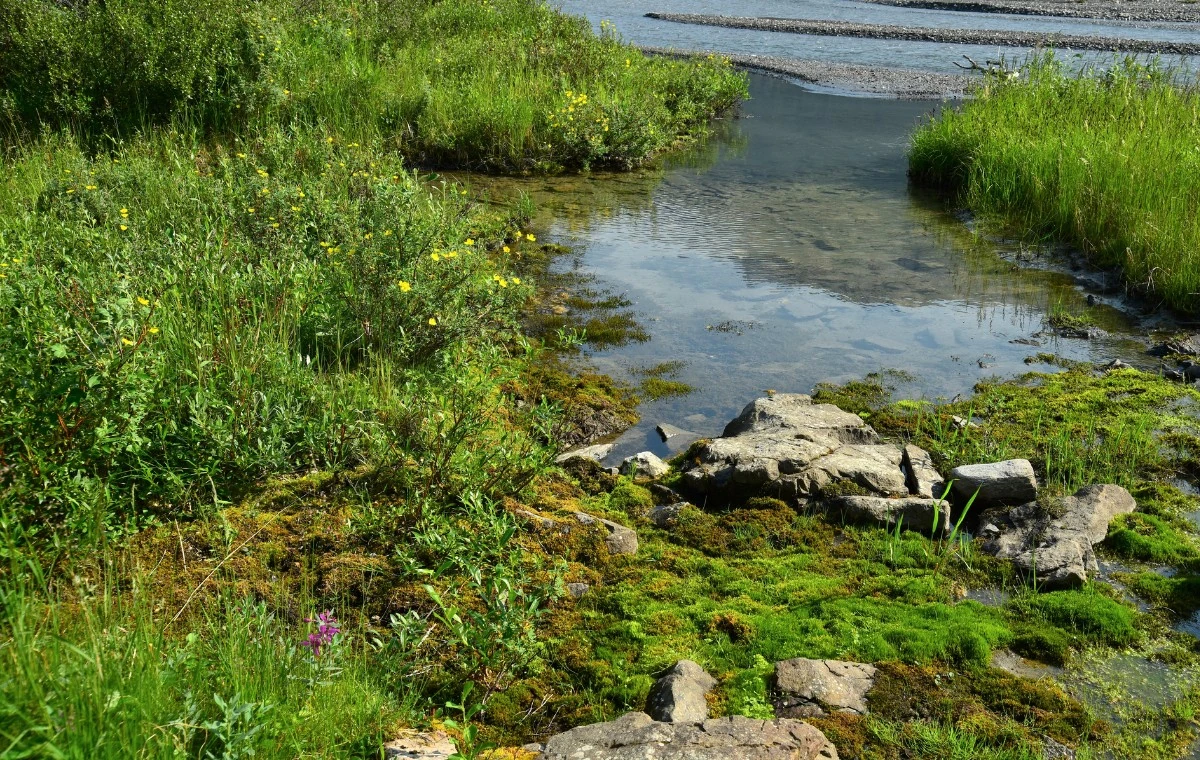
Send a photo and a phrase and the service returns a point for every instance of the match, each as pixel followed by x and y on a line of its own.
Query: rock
pixel 419 746
pixel 1114 365
pixel 637 736
pixel 666 516
pixel 1184 345
pixel 677 439
pixel 999 483
pixel 1056 548
pixel 787 446
pixel 621 540
pixel 921 477
pixel 1054 750
pixel 914 512
pixel 678 697
pixel 540 522
pixel 644 465
pixel 962 423
pixel 596 453
pixel 664 494
pixel 808 688
pixel 577 590
pixel 533 747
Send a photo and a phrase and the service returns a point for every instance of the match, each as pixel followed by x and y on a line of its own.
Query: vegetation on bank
pixel 253 367
pixel 1102 161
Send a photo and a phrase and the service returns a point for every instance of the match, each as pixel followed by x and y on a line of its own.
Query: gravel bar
pixel 928 34
pixel 880 81
pixel 1115 10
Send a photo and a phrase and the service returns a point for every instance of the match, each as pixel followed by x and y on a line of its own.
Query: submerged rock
pixel 808 688
pixel 999 483
pixel 637 736
pixel 1055 547
pixel 787 446
pixel 678 697
pixel 644 465
pixel 621 540
pixel 677 439
pixel 914 513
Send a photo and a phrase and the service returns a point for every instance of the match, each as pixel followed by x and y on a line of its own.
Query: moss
pixel 655 388
pixel 1151 539
pixel 1089 614
pixel 1179 594
pixel 1043 643
pixel 665 369
pixel 630 498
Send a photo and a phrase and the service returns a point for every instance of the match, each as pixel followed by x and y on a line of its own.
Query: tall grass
pixel 1104 161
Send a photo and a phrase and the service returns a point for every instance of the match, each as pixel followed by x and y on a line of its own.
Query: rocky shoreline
pixel 1116 10
pixel 1004 38
pixel 881 81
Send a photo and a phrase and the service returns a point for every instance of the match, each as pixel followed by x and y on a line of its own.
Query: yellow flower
pixel 405 286
pixel 241 155
pixel 503 283
pixel 451 254
pixel 470 241
pixel 143 302
pixel 387 232
pixel 507 249
pixel 124 212
pixel 516 281
pixel 329 139
pixel 249 209
pixel 432 322
pixel 70 190
pixel 127 341
pixel 124 227
pixel 89 187
pixel 324 244
pixel 295 208
pixel 153 331
pixel 435 256
pixel 530 237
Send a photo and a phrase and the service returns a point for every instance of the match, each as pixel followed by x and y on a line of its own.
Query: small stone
pixel 810 688
pixel 1053 750
pixel 596 452
pixel 921 476
pixel 678 697
pixel 577 590
pixel 420 746
pixel 913 513
pixel 644 465
pixel 664 494
pixel 621 540
pixel 999 483
pixel 1115 364
pixel 533 747
pixel 962 423
pixel 538 521
pixel 666 516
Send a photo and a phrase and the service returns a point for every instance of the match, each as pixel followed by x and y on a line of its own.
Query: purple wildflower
pixel 327 628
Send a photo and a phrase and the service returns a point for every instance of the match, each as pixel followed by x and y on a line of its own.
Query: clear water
pixel 798 226
pixel 630 21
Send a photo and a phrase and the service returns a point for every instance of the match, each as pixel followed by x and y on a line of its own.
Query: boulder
pixel 921 477
pixel 644 465
pixel 914 512
pixel 678 697
pixel 677 439
pixel 807 688
pixel 637 736
pixel 577 590
pixel 621 540
pixel 999 483
pixel 787 446
pixel 666 516
pixel 595 453
pixel 1055 545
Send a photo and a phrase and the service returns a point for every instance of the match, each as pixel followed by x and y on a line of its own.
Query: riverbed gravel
pixel 880 81
pixel 1002 37
pixel 1116 10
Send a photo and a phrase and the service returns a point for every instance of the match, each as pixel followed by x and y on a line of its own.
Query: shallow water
pixel 630 21
pixel 797 229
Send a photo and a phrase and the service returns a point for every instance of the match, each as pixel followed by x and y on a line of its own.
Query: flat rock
pixel 999 483
pixel 596 453
pixel 637 736
pixel 644 464
pixel 419 746
pixel 678 697
pixel 809 688
pixel 1055 547
pixel 676 438
pixel 921 477
pixel 914 512
pixel 621 540
pixel 787 446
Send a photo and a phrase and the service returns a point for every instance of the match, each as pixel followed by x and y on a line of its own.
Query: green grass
pixel 1102 161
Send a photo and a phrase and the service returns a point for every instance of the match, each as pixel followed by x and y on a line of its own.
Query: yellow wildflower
pixel 503 283
pixel 89 187
pixel 507 249
pixel 250 209
pixel 153 331
pixel 530 237
pixel 387 232
pixel 124 227
pixel 405 286
pixel 127 341
pixel 516 280
pixel 432 322
pixel 124 212
pixel 470 241
pixel 143 302
pixel 435 256
pixel 241 155
pixel 295 208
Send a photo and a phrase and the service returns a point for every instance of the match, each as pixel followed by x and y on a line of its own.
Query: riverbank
pixel 1004 38
pixel 1048 155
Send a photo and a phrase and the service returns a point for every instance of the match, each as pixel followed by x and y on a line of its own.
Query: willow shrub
pixel 1106 162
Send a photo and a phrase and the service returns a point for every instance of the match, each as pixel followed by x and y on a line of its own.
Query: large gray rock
pixel 1055 545
pixel 595 453
pixel 676 438
pixel 644 465
pixel 620 540
pixel 914 513
pixel 787 446
pixel 999 483
pixel 920 475
pixel 637 736
pixel 678 697
pixel 807 688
